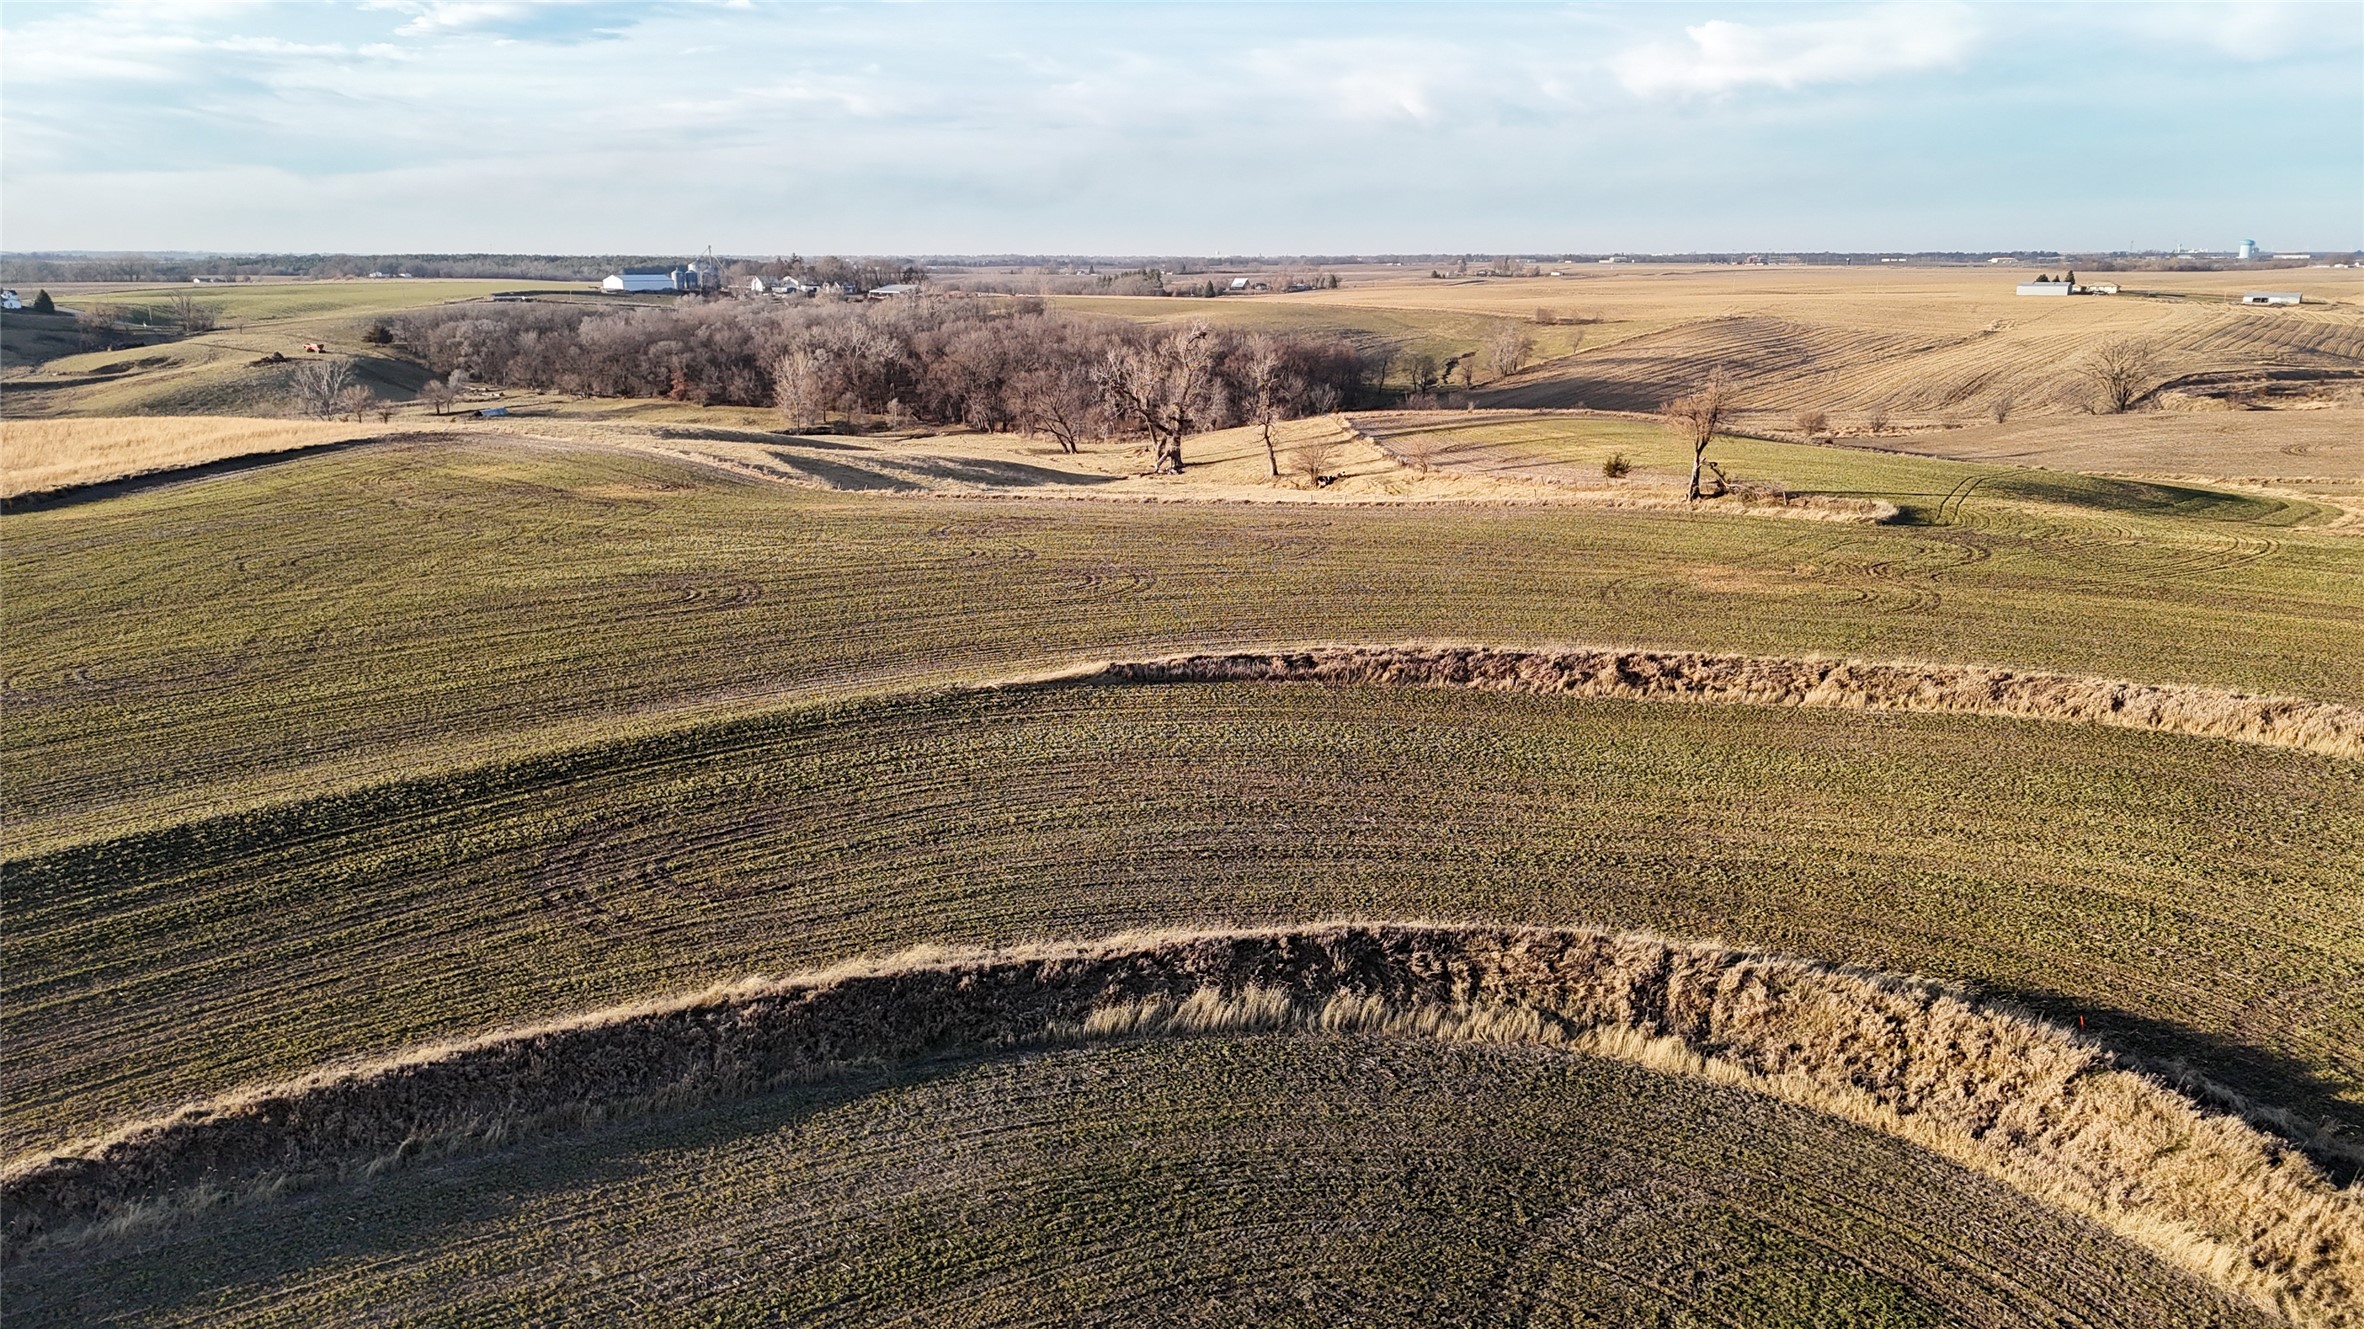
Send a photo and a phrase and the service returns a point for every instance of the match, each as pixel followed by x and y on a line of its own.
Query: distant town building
pixel 2270 298
pixel 2247 250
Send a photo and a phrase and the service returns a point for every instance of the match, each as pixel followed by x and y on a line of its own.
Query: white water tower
pixel 2248 249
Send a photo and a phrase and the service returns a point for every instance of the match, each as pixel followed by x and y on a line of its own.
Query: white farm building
pixel 2270 298
pixel 681 277
pixel 2046 288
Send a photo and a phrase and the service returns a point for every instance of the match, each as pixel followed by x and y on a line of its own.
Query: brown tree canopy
pixel 987 363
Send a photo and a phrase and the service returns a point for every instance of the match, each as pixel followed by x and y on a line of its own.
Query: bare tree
pixel 1273 391
pixel 193 317
pixel 1164 386
pixel 1877 420
pixel 437 394
pixel 355 401
pixel 799 387
pixel 1420 373
pixel 1507 350
pixel 1312 457
pixel 1419 450
pixel 1813 424
pixel 1697 416
pixel 318 386
pixel 1060 400
pixel 2122 372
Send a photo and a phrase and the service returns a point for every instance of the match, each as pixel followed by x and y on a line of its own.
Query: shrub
pixel 1616 467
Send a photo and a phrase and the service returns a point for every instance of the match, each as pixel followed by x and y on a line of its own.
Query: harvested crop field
pixel 1272 1179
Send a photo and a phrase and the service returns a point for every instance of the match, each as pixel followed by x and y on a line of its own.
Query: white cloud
pixel 2250 30
pixel 461 15
pixel 1723 56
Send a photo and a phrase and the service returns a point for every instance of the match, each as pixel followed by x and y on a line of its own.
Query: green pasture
pixel 250 305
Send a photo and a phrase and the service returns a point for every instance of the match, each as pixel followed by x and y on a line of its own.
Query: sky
pixel 406 126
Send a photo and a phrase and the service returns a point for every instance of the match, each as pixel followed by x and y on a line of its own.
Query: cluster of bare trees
pixel 991 364
pixel 326 389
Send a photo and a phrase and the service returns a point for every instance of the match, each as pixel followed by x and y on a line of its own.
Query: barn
pixel 650 279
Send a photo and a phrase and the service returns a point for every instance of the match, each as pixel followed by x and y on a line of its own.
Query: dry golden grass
pixel 37 456
pixel 2329 728
pixel 2023 1101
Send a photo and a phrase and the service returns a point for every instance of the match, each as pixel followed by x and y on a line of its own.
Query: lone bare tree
pixel 1312 457
pixel 318 387
pixel 2121 372
pixel 1697 416
pixel 1507 350
pixel 355 401
pixel 437 394
pixel 1164 386
pixel 1813 424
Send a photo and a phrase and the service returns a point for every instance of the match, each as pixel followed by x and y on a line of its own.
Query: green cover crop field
pixel 1965 963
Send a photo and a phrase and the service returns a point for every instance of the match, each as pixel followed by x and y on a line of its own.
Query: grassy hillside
pixel 1272 1180
pixel 369 613
pixel 212 373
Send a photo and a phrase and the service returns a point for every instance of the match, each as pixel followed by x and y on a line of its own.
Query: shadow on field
pixel 72 495
pixel 2195 1060
pixel 187 1265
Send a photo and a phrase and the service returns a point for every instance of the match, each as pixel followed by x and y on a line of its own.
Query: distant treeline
pixel 33 269
pixel 989 363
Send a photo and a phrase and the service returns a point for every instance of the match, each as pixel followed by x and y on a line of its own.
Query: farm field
pixel 440 729
pixel 45 455
pixel 1919 346
pixel 2144 882
pixel 357 616
pixel 1273 1180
